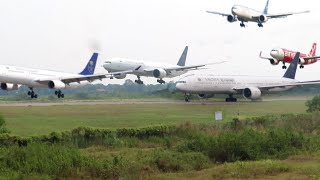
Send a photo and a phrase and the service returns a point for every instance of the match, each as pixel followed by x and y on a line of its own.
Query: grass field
pixel 38 120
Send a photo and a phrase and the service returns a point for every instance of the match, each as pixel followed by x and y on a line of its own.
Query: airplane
pixel 245 14
pixel 286 56
pixel 251 87
pixel 140 68
pixel 11 77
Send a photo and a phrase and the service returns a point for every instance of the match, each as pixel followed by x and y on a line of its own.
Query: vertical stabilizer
pixel 90 67
pixel 291 71
pixel 182 60
pixel 313 50
pixel 265 11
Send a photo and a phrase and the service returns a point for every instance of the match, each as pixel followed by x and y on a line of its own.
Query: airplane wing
pixel 218 13
pixel 181 68
pixel 311 57
pixel 268 58
pixel 285 14
pixel 78 78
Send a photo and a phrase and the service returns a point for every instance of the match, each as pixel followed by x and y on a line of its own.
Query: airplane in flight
pixel 11 77
pixel 286 56
pixel 245 14
pixel 141 68
pixel 251 87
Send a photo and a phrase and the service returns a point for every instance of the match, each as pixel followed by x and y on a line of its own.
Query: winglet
pixel 291 71
pixel 182 60
pixel 265 11
pixel 90 67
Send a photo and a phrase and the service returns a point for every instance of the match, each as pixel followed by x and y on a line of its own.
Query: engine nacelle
pixel 302 61
pixel 9 87
pixel 252 93
pixel 274 62
pixel 263 18
pixel 205 96
pixel 159 73
pixel 56 84
pixel 120 76
pixel 231 18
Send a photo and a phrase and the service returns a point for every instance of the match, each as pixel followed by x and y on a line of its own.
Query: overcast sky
pixel 62 34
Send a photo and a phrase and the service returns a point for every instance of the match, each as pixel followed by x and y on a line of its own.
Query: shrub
pixel 313 104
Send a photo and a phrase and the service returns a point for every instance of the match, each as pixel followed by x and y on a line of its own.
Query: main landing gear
pixel 187 97
pixel 161 81
pixel 242 24
pixel 301 66
pixel 32 94
pixel 138 81
pixel 231 99
pixel 284 66
pixel 260 25
pixel 59 94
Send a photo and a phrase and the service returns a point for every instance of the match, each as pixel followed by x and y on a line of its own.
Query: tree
pixel 313 104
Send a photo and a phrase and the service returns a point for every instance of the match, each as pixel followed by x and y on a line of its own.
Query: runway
pixel 128 102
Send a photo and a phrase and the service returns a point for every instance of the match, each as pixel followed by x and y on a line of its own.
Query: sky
pixel 62 34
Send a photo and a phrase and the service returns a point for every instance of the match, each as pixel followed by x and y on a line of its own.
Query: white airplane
pixel 251 87
pixel 140 68
pixel 11 77
pixel 245 14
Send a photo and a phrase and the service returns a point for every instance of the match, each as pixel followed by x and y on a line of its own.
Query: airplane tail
pixel 291 71
pixel 90 67
pixel 313 50
pixel 182 60
pixel 265 11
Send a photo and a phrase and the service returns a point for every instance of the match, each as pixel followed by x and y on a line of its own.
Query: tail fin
pixel 313 49
pixel 182 60
pixel 291 71
pixel 265 11
pixel 90 67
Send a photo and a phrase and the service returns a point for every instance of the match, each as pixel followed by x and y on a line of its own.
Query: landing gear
pixel 231 99
pixel 32 94
pixel 59 94
pixel 186 97
pixel 161 81
pixel 284 66
pixel 242 24
pixel 138 81
pixel 260 25
pixel 301 66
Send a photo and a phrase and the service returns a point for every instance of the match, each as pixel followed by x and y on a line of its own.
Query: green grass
pixel 38 120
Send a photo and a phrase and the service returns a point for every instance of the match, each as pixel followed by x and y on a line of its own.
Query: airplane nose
pixel 274 53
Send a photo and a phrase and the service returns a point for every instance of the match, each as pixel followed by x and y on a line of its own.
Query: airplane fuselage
pixel 245 14
pixel 287 56
pixel 118 65
pixel 220 84
pixel 28 76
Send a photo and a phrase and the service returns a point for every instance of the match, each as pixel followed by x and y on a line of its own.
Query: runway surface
pixel 128 102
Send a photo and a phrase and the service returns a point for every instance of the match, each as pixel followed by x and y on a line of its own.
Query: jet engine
pixel 56 84
pixel 205 96
pixel 9 87
pixel 159 73
pixel 252 93
pixel 231 18
pixel 120 76
pixel 302 61
pixel 274 62
pixel 263 18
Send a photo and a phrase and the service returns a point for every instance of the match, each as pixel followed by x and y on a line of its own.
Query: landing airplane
pixel 251 87
pixel 245 14
pixel 11 77
pixel 140 68
pixel 286 56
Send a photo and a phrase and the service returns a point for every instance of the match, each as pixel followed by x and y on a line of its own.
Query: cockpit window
pixel 108 62
pixel 183 82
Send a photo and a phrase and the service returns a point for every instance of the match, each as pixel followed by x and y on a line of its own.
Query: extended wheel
pixel 186 99
pixel 62 95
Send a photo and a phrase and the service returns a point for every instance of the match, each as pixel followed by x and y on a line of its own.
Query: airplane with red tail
pixel 286 56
